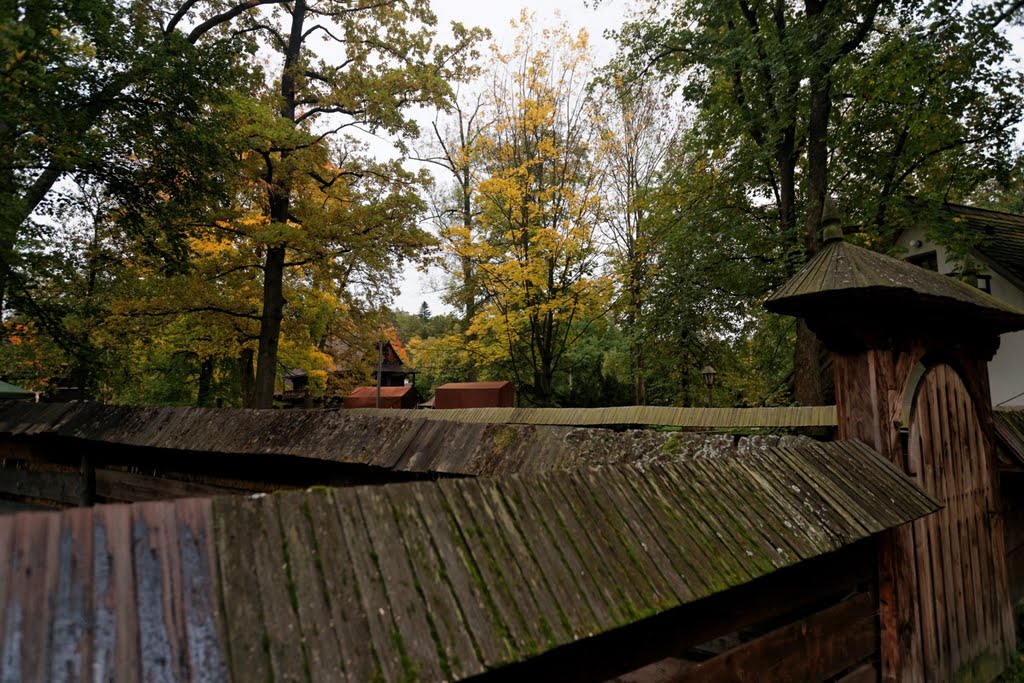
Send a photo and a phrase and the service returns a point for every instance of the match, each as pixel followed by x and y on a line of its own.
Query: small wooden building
pixel 392 369
pixel 10 392
pixel 391 397
pixel 475 395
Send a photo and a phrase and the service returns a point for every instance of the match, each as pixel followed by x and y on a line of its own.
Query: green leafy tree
pixel 638 131
pixel 106 93
pixel 791 96
pixel 369 83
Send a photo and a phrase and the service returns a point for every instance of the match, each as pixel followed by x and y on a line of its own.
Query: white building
pixel 1000 256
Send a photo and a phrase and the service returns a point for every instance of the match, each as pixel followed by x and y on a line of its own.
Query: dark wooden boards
pixel 961 623
pixel 427 580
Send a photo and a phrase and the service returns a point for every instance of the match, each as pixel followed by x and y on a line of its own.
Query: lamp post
pixel 709 380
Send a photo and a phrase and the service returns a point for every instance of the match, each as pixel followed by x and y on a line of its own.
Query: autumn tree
pixel 539 201
pixel 380 62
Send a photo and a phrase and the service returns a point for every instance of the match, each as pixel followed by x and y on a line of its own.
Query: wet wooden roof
pixel 1001 238
pixel 843 275
pixel 428 580
pixel 410 441
pixel 1009 427
pixel 687 418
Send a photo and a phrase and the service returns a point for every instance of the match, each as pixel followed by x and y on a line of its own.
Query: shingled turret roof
pixel 843 276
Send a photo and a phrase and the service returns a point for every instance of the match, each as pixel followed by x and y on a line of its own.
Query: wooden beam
pixel 672 633
pixel 813 649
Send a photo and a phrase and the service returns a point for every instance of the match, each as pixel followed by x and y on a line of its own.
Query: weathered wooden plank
pixel 835 466
pixel 752 604
pixel 951 492
pixel 482 618
pixel 557 555
pixel 812 649
pixel 115 643
pixel 352 629
pixel 712 528
pixel 955 430
pixel 414 637
pixel 449 626
pixel 52 485
pixel 321 642
pixel 602 500
pixel 761 494
pixel 922 600
pixel 686 548
pixel 274 580
pixel 734 545
pixel 73 607
pixel 845 518
pixel 935 626
pixel 369 585
pixel 516 613
pixel 519 566
pixel 721 483
pixel 27 645
pixel 126 487
pixel 206 638
pixel 636 594
pixel 11 605
pixel 589 572
pixel 866 673
pixel 651 542
pixel 162 640
pixel 805 520
pixel 248 639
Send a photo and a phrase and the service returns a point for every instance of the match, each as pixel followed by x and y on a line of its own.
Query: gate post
pixel 883 320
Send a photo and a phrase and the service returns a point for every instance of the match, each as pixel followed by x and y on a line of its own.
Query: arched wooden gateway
pixel 910 349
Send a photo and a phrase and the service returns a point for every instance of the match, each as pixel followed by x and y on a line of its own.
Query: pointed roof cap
pixel 843 277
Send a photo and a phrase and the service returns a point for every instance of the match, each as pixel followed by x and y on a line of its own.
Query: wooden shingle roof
pixel 843 276
pixel 1001 238
pixel 427 580
pixel 1009 428
pixel 411 441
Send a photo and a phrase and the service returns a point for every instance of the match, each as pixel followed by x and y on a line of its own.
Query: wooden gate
pixel 962 626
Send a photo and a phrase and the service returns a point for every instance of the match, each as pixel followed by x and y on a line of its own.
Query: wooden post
pixel 910 350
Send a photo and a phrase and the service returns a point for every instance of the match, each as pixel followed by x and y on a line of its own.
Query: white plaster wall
pixel 1006 369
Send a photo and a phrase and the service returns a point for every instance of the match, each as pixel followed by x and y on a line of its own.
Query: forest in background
pixel 194 200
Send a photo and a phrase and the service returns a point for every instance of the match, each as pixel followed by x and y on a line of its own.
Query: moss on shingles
pixel 410 672
pixel 503 438
pixel 442 655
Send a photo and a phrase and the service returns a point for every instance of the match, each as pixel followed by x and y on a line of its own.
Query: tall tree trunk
pixel 809 376
pixel 247 377
pixel 280 209
pixel 270 328
pixel 205 394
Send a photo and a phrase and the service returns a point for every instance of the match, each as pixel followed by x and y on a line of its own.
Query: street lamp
pixel 709 380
